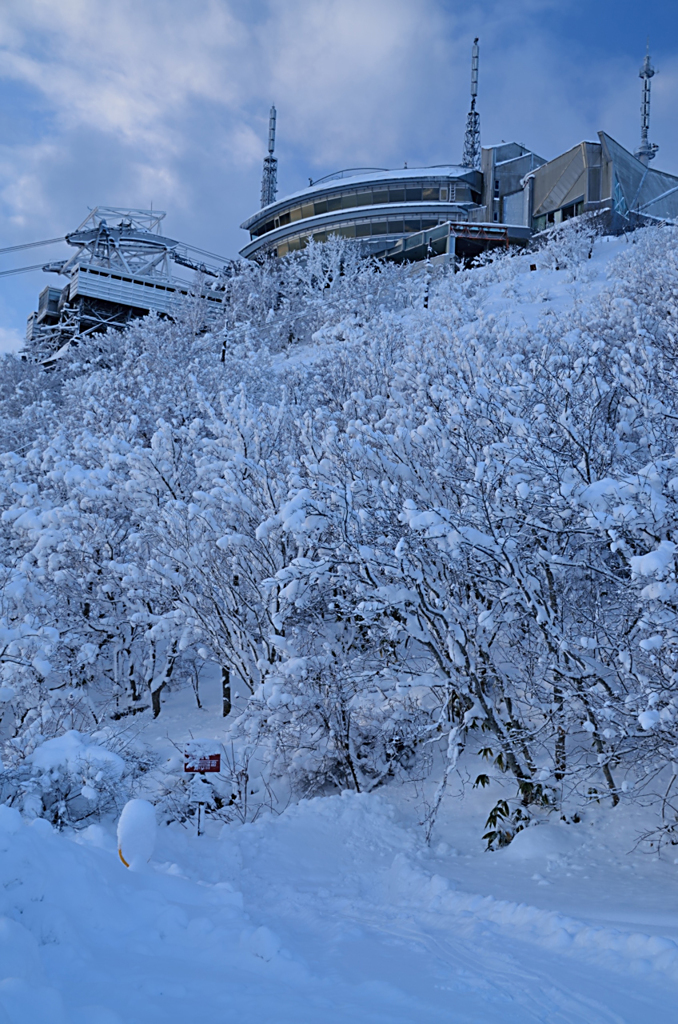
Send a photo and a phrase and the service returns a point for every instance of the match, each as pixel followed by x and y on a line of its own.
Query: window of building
pixel 396 195
pixel 430 193
pixel 496 189
pixel 413 195
pixel 380 197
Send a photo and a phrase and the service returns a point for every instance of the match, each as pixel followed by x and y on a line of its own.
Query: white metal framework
pixel 121 269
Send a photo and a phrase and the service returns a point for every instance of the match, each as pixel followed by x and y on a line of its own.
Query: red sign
pixel 202 762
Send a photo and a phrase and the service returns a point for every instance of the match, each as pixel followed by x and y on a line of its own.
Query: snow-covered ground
pixel 336 910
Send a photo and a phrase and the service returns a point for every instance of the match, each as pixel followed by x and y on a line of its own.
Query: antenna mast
pixel 646 150
pixel 471 157
pixel 269 178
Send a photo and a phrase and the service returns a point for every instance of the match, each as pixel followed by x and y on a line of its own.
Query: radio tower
pixel 269 178
pixel 646 150
pixel 471 157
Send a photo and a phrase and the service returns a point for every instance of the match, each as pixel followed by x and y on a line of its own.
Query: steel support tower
pixel 646 150
pixel 269 178
pixel 471 157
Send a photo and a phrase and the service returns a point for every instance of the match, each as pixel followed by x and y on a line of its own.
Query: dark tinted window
pixel 284 219
pixel 362 229
pixel 413 195
pixel 379 227
pixel 348 201
pixel 425 224
pixel 320 206
pixel 430 193
pixel 396 195
pixel 412 225
pixel 380 197
pixel 395 226
pixel 363 199
pixel 334 203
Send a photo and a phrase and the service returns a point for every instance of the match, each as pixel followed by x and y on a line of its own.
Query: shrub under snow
pixel 399 522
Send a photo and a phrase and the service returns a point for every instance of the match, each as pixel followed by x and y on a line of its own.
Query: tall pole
pixel 269 178
pixel 471 157
pixel 646 150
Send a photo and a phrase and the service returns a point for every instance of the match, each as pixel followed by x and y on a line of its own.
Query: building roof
pixel 647 191
pixel 367 176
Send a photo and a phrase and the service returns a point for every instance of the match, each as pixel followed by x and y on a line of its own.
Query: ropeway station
pixel 122 268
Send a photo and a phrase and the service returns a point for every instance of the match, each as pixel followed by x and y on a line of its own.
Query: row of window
pixel 383 227
pixel 453 193
pixel 558 216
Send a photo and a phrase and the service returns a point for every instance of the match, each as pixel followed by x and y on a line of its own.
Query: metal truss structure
pixel 121 270
pixel 646 150
pixel 472 152
pixel 269 178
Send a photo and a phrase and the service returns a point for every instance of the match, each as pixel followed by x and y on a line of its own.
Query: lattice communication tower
pixel 269 178
pixel 646 150
pixel 471 157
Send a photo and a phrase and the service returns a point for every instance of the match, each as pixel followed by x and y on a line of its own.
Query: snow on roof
pixel 372 175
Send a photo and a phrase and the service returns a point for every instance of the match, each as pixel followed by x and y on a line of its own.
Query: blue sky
pixel 127 102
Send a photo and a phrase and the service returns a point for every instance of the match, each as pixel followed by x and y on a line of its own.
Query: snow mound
pixel 136 833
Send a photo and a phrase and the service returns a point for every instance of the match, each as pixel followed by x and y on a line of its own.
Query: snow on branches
pixel 402 511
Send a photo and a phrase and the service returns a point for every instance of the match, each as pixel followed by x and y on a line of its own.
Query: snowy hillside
pixel 399 547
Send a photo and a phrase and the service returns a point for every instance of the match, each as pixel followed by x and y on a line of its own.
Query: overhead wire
pixel 32 245
pixel 21 270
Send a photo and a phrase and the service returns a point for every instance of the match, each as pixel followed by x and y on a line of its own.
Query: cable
pixel 32 245
pixel 204 252
pixel 21 270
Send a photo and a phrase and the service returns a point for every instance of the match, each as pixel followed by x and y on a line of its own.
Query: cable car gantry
pixel 122 269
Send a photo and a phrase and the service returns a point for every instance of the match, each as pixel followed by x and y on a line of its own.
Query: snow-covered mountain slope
pixel 160 522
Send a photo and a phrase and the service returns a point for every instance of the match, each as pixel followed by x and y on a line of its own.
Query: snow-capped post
pixel 198 761
pixel 136 833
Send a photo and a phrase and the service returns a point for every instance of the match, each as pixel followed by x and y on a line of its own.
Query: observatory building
pixel 497 196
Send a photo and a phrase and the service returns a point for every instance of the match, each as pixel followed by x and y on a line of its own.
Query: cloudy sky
pixel 128 102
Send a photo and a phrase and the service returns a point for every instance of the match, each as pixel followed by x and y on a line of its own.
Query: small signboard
pixel 198 762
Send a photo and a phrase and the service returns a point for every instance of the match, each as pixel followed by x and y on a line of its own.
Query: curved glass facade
pixel 420 199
